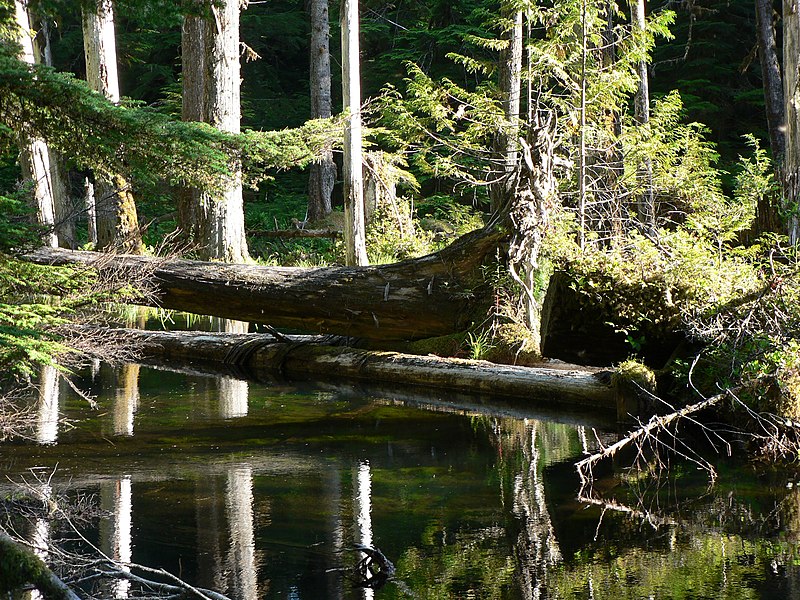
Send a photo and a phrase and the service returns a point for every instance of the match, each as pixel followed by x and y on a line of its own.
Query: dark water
pixel 261 490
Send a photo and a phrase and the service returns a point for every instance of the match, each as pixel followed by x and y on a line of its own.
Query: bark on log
pixel 303 359
pixel 425 297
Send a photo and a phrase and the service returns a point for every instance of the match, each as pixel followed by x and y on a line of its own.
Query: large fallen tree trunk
pixel 430 296
pixel 307 357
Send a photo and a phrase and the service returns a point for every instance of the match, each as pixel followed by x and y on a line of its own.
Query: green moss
pixel 443 345
pixel 632 372
pixel 514 344
pixel 19 567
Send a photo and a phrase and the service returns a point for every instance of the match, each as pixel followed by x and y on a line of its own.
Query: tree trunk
pixel 510 85
pixel 63 205
pixel 304 358
pixel 771 77
pixel 117 222
pixel 354 226
pixel 323 173
pixel 435 295
pixel 34 153
pixel 646 207
pixel 791 90
pixel 214 223
pixel 767 210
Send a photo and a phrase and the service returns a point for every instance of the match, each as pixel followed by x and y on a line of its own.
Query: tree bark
pixel 213 223
pixel 301 359
pixel 117 224
pixel 771 77
pixel 63 206
pixel 767 211
pixel 510 84
pixel 435 295
pixel 646 206
pixel 791 91
pixel 323 173
pixel 354 225
pixel 34 154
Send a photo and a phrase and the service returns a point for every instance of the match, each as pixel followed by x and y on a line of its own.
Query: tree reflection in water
pixel 268 500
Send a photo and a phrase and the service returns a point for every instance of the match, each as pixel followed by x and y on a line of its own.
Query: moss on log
pixel 19 567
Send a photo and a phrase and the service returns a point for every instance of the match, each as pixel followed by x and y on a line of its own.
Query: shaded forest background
pixel 712 61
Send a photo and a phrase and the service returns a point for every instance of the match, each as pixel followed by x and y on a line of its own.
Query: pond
pixel 262 489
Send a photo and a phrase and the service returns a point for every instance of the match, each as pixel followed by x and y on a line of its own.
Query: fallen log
pixel 295 233
pixel 434 295
pixel 304 359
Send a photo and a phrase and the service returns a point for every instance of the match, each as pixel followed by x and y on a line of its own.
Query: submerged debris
pixel 374 570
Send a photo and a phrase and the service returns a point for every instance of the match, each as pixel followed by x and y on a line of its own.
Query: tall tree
pixel 34 153
pixel 646 208
pixel 510 85
pixel 117 222
pixel 354 227
pixel 767 214
pixel 213 222
pixel 63 206
pixel 791 90
pixel 323 173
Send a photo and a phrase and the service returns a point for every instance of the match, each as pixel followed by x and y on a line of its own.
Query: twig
pixel 584 466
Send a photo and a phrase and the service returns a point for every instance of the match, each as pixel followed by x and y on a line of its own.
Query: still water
pixel 262 490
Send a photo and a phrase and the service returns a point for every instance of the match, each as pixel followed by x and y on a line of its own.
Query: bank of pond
pixel 263 488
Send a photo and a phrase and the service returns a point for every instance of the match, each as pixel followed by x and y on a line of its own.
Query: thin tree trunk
pixel 34 153
pixel 63 205
pixel 117 222
pixel 323 173
pixel 767 218
pixel 771 77
pixel 646 202
pixel 582 133
pixel 791 88
pixel 193 108
pixel 510 90
pixel 354 226
pixel 211 88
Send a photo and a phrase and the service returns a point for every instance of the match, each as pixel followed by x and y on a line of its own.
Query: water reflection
pixel 537 546
pixel 241 564
pixel 40 538
pixel 271 504
pixel 126 398
pixel 116 532
pixel 233 397
pixel 47 418
pixel 362 507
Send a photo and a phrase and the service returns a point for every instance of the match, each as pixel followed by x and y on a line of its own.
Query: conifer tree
pixel 322 173
pixel 791 87
pixel 354 224
pixel 213 222
pixel 34 153
pixel 117 222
